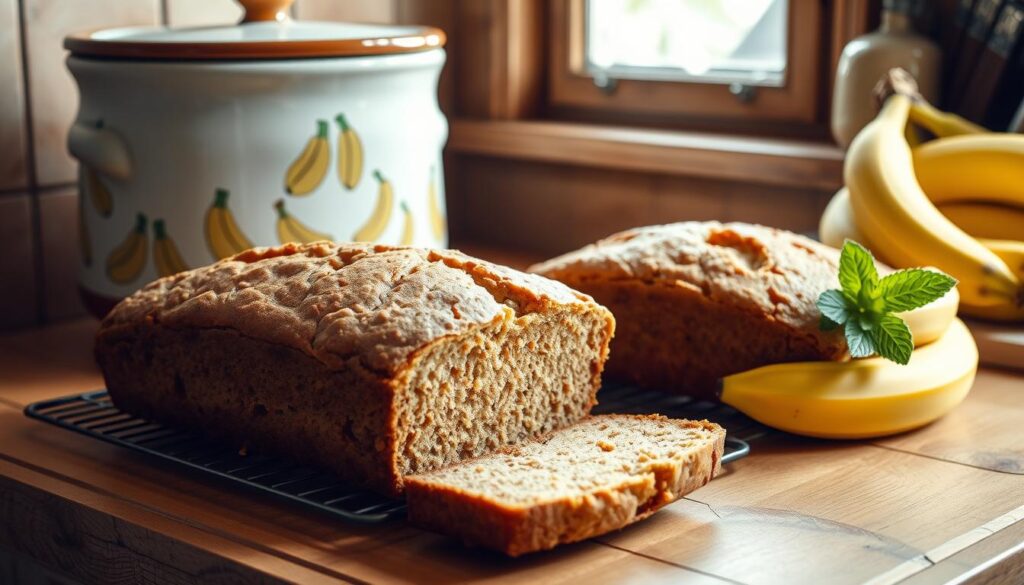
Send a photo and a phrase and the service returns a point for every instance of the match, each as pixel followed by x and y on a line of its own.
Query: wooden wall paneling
pixel 61 253
pixel 18 294
pixel 796 210
pixel 716 156
pixel 500 64
pixel 551 208
pixel 13 165
pixel 52 92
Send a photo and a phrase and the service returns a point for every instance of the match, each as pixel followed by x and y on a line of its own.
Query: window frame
pixel 799 99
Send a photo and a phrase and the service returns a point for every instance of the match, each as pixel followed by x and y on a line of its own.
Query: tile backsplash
pixel 38 101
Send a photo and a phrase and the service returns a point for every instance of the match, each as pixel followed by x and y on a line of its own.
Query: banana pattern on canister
pixel 408 226
pixel 438 223
pixel 126 262
pixel 308 170
pixel 90 185
pixel 378 221
pixel 166 256
pixel 290 229
pixel 350 154
pixel 223 237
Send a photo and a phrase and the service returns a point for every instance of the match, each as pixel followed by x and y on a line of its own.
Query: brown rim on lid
pixel 265 32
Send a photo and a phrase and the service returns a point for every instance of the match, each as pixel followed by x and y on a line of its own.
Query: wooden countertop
pixel 943 503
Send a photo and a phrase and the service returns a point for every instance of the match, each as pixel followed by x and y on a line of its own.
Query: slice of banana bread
pixel 696 301
pixel 594 477
pixel 374 361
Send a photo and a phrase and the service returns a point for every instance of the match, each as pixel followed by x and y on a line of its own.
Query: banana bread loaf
pixel 596 476
pixel 374 361
pixel 696 301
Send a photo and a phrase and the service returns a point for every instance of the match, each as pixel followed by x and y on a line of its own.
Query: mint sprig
pixel 864 305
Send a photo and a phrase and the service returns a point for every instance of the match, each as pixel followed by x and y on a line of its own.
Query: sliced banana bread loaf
pixel 594 477
pixel 696 301
pixel 374 361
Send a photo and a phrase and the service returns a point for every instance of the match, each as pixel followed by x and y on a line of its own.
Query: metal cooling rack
pixel 92 414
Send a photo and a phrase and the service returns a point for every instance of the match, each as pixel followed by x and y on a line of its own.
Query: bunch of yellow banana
pixel 308 170
pixel 166 256
pixel 378 222
pixel 941 203
pixel 437 219
pixel 290 229
pixel 350 154
pixel 126 261
pixel 223 237
pixel 904 228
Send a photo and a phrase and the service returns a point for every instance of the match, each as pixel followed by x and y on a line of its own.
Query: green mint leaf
pixel 859 341
pixel 834 307
pixel 856 270
pixel 893 340
pixel 913 288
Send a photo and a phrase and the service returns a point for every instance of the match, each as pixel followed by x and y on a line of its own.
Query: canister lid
pixel 265 32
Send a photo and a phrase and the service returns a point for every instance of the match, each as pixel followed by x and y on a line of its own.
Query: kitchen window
pixel 730 60
pixel 695 41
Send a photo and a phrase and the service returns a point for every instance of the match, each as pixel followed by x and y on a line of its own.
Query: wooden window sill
pixel 790 163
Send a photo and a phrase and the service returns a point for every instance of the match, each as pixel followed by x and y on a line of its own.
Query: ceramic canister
pixel 195 144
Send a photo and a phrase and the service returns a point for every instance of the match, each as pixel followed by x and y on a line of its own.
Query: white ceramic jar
pixel 195 144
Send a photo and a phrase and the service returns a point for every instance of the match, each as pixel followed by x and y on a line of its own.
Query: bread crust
pixel 481 520
pixel 697 301
pixel 347 322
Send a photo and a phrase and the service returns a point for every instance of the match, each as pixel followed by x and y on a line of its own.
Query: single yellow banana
pixel 904 228
pixel 290 229
pixel 309 169
pixel 941 123
pixel 166 256
pixel 381 215
pixel 985 167
pixel 981 219
pixel 438 223
pixel 408 228
pixel 1012 252
pixel 90 185
pixel 126 261
pixel 350 154
pixel 861 398
pixel 926 323
pixel 223 237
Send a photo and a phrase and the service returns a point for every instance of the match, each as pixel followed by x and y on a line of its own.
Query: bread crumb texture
pixel 569 485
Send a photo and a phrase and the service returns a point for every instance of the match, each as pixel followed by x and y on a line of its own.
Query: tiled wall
pixel 38 101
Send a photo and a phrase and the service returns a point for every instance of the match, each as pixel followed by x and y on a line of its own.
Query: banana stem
pixel 279 206
pixel 405 207
pixel 342 122
pixel 140 223
pixel 158 229
pixel 321 128
pixel 220 198
pixel 378 176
